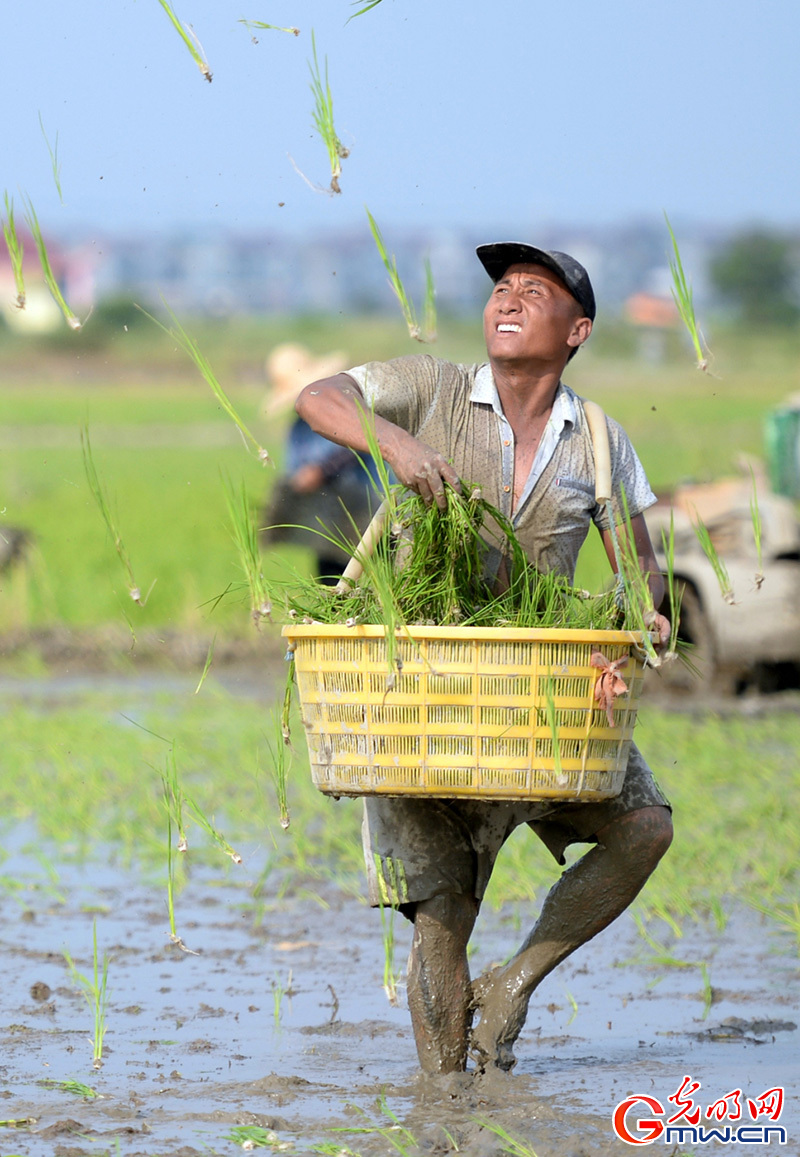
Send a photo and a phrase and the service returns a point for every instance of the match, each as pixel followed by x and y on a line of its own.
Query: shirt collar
pixel 484 390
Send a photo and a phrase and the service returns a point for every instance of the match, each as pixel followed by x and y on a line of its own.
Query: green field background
pixel 86 768
pixel 164 450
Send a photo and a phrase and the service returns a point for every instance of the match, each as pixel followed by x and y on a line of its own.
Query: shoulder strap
pixel 598 428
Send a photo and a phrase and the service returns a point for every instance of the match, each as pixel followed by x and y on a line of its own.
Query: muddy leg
pixel 438 981
pixel 589 895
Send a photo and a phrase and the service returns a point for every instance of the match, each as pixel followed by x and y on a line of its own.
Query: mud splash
pixel 281 1021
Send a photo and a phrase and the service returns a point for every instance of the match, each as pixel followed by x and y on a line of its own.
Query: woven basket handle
pixel 352 572
pixel 598 428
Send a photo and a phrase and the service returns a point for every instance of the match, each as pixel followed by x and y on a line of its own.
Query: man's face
pixel 532 316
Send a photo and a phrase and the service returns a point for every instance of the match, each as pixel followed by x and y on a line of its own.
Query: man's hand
pixel 662 624
pixel 424 470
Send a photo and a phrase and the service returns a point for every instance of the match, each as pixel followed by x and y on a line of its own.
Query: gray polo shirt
pixel 456 410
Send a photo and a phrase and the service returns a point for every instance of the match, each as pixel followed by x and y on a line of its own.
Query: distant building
pixel 221 273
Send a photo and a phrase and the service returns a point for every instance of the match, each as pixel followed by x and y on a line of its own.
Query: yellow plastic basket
pixel 490 713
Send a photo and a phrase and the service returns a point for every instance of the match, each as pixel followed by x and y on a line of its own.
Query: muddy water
pixel 278 1018
pixel 197 1044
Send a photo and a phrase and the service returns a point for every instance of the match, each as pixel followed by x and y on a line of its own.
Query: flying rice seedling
pixel 209 828
pixel 189 345
pixel 207 667
pixel 173 803
pixel 755 515
pixel 361 11
pixel 323 117
pixel 632 582
pixel 427 331
pixel 683 297
pixel 53 151
pixel 100 496
pixel 717 565
pixel 32 221
pixel 274 27
pixel 673 594
pixel 280 749
pixel 94 990
pixel 390 976
pixel 15 250
pixel 189 38
pixel 174 798
pixel 245 535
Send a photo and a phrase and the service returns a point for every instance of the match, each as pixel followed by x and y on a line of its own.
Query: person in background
pixel 325 488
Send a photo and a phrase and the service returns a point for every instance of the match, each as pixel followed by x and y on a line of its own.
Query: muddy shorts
pixel 416 848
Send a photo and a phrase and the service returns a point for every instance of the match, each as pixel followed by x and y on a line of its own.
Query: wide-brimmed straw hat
pixel 290 367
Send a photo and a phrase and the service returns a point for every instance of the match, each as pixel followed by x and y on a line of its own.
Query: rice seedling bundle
pixel 427 677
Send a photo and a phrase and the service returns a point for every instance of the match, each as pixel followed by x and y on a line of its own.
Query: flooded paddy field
pixel 275 1027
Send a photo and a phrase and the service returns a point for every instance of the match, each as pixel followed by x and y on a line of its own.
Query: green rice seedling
pixel 257 1137
pixel 673 593
pixel 15 250
pixel 278 769
pixel 400 1138
pixel 245 536
pixel 53 151
pixel 77 1088
pixel 510 1145
pixel 280 749
pixel 710 551
pixel 274 27
pixel 786 914
pixel 390 977
pixel 662 956
pixel 323 117
pixel 211 830
pixel 278 993
pixel 174 798
pixel 427 331
pixel 189 39
pixel 552 722
pixel 207 667
pixel 573 1005
pixel 100 496
pixel 361 11
pixel 32 221
pixel 173 931
pixel 684 299
pixel 95 991
pixel 189 345
pixel 755 515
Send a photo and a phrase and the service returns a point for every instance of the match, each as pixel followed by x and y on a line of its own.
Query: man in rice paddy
pixel 512 427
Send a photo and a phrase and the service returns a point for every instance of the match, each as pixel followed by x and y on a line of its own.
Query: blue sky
pixel 480 115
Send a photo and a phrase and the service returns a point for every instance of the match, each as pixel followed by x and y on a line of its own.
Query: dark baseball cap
pixel 497 257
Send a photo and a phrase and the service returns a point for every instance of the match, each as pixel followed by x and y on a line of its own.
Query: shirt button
pixel 507 442
pixel 506 488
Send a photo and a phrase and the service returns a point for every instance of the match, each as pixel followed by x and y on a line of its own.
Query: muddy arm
pixel 336 408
